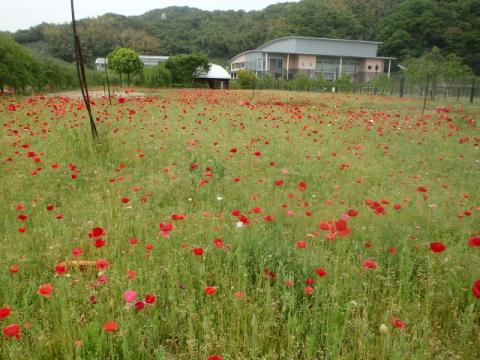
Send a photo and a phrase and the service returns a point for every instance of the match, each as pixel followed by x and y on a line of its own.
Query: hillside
pixel 407 28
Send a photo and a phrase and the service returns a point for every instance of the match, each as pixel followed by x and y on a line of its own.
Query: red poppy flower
pixel 236 213
pixel 218 243
pixel 178 217
pixel 210 290
pixel 474 241
pixel 341 225
pixel 14 269
pixel 321 272
pixel 302 186
pixel 150 299
pixel 399 324
pixel 22 217
pixel 101 264
pixel 308 290
pixel 369 264
pixel 96 232
pixel 437 247
pixel 352 213
pixel 121 100
pixel 60 268
pixel 476 288
pixel 77 252
pixel 5 312
pixel 139 305
pixel 110 326
pixel 99 243
pixel 12 330
pixel 324 226
pixel 422 189
pixel 198 251
pixel 215 357
pixel 279 182
pixel 45 290
pixel 125 200
pixel 301 244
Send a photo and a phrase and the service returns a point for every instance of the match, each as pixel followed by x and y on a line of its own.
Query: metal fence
pixel 462 89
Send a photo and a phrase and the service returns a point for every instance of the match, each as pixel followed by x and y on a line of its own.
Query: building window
pixel 369 67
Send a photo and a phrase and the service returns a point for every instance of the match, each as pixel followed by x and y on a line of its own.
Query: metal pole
pixel 425 97
pixel 81 74
pixel 402 84
pixel 472 91
pixel 108 82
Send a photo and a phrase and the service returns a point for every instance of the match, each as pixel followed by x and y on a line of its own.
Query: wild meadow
pixel 239 225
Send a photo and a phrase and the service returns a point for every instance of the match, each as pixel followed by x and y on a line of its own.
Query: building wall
pixel 307 62
pixel 372 63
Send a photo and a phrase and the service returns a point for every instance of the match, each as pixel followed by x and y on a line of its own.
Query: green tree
pixel 125 61
pixel 184 68
pixel 437 67
pixel 158 76
pixel 247 79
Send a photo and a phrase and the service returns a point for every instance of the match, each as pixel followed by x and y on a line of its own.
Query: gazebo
pixel 216 78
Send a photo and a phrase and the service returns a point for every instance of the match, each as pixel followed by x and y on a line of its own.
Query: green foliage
pixel 125 61
pixel 302 82
pixel 22 69
pixel 381 83
pixel 344 83
pixel 184 68
pixel 408 28
pixel 246 79
pixel 157 76
pixel 437 66
pixel 415 26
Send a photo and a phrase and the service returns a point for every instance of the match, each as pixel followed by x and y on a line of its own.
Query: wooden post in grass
pixel 425 97
pixel 108 81
pixel 472 91
pixel 82 79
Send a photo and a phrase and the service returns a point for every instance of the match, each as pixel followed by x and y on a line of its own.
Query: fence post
pixel 458 94
pixel 472 91
pixel 425 97
pixel 402 84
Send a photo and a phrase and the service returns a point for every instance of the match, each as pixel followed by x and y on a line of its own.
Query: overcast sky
pixel 21 14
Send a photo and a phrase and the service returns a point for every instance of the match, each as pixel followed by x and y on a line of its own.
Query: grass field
pixel 210 225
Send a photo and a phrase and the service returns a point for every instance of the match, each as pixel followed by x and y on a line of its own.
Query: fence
pixel 461 89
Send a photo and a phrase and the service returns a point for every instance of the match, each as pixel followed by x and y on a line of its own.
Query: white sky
pixel 21 14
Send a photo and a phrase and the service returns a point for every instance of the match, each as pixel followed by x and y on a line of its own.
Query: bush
pixel 157 76
pixel 247 79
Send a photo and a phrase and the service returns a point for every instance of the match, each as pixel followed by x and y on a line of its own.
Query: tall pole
pixel 472 92
pixel 425 97
pixel 81 73
pixel 108 81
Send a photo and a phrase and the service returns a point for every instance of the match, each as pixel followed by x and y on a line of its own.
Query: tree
pixel 158 76
pixel 184 68
pixel 436 66
pixel 247 79
pixel 125 61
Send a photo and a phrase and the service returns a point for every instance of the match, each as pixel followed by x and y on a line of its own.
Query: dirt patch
pixel 95 94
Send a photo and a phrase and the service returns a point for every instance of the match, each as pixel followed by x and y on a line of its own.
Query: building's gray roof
pixel 303 45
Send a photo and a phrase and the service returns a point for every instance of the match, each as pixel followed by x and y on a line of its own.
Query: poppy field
pixel 232 225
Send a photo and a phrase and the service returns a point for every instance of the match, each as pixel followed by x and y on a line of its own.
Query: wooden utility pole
pixel 82 79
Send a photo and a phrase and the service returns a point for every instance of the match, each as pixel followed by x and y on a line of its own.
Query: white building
pixel 147 60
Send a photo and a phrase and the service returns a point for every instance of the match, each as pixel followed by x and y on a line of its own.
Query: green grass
pixel 387 152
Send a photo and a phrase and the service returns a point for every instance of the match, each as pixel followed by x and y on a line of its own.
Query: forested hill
pixel 406 28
